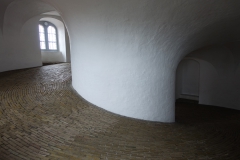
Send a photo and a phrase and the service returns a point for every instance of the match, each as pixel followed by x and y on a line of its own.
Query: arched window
pixel 48 36
pixel 42 37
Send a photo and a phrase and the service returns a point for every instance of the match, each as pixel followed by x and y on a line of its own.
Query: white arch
pixel 21 51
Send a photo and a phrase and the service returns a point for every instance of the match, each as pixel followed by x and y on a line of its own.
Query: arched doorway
pixel 187 80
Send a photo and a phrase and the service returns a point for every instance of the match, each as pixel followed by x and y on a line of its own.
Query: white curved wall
pixel 124 53
pixel 113 64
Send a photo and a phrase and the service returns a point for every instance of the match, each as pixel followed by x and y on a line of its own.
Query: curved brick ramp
pixel 43 118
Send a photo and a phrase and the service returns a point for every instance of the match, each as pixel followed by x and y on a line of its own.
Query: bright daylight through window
pixel 48 36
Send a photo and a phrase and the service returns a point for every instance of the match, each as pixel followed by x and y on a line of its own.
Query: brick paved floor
pixel 41 117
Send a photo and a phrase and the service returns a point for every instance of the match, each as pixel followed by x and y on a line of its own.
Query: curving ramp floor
pixel 42 117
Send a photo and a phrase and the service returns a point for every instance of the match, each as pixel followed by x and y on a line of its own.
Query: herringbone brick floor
pixel 41 117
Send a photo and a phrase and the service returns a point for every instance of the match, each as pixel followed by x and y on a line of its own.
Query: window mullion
pixel 46 37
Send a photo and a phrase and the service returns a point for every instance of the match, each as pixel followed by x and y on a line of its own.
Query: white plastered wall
pixel 125 53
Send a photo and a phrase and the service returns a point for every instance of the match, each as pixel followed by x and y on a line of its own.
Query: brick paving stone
pixel 42 117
